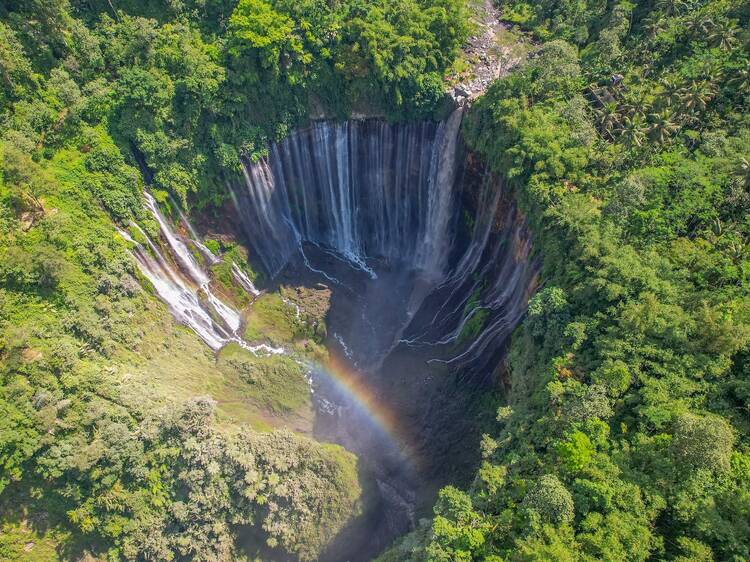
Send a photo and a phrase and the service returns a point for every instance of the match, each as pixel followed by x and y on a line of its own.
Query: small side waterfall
pixel 179 250
pixel 492 280
pixel 184 285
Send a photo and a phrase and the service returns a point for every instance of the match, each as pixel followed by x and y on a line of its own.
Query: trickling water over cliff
pixel 185 285
pixel 365 189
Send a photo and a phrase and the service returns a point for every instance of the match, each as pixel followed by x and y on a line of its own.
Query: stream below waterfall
pixel 429 266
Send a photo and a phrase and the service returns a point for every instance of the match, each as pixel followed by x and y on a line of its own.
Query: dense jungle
pixel 393 280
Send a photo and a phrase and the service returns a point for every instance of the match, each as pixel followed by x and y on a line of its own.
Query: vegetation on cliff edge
pixel 626 138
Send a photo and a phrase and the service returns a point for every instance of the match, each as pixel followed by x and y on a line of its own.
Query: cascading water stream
pixel 362 189
pixel 179 249
pixel 242 279
pixel 185 286
pixel 433 248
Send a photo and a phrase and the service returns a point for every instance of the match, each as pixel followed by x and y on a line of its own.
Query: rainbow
pixel 347 380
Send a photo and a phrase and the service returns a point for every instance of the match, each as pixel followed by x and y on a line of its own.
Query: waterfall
pixel 184 285
pixel 375 193
pixel 493 274
pixel 242 279
pixel 364 189
pixel 372 194
pixel 433 248
pixel 179 249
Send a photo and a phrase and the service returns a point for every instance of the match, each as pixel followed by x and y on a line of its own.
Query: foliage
pixel 276 382
pixel 703 442
pixel 188 87
pixel 549 501
pixel 96 100
pixel 127 473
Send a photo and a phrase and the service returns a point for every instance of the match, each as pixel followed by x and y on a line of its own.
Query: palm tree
pixel 608 118
pixel 671 92
pixel 741 80
pixel 696 95
pixel 723 36
pixel 655 24
pixel 633 108
pixel 634 129
pixel 671 7
pixel 713 74
pixel 699 26
pixel 744 172
pixel 662 126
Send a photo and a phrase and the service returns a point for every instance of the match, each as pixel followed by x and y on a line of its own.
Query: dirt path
pixel 487 55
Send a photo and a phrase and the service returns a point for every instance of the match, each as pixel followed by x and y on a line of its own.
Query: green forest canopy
pixel 194 85
pixel 626 139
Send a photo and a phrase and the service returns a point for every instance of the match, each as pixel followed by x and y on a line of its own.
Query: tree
pixel 609 119
pixel 634 130
pixel 550 501
pixel 576 451
pixel 662 126
pixel 703 442
pixel 671 8
pixel 555 71
pixel 696 95
pixel 670 92
pixel 25 179
pixel 723 36
pixel 551 544
pixel 15 69
pixel 255 28
pixel 693 551
pixel 19 433
pixel 741 80
pixel 548 310
pixel 457 529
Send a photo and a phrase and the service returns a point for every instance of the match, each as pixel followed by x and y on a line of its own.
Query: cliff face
pixel 427 263
pixel 398 199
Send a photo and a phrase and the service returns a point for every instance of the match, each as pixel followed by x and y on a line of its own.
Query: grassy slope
pixel 293 316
